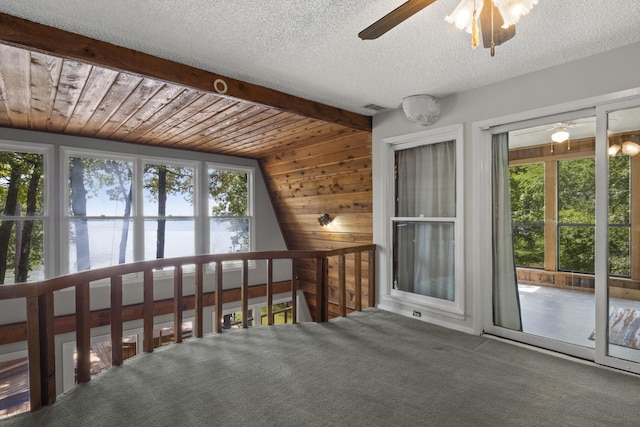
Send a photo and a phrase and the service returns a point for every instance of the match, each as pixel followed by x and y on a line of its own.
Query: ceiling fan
pixel 496 18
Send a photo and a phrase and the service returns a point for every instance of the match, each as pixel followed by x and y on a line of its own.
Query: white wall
pixel 613 74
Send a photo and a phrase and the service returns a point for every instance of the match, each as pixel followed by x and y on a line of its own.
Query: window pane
pixel 168 238
pixel 228 193
pixel 619 189
pixel 426 181
pixel 526 186
pixel 281 314
pixel 168 190
pixel 528 245
pixel 99 187
pixel 527 193
pixel 619 253
pixel 25 258
pixel 577 248
pixel 21 195
pixel 95 243
pixel 21 184
pixel 229 235
pixel 423 261
pixel 577 191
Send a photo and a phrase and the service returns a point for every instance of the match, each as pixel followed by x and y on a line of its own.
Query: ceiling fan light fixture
pixel 561 134
pixel 512 10
pixel 423 109
pixel 462 16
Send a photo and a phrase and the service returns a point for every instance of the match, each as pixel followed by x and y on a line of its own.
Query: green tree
pixel 79 209
pixel 527 212
pixel 619 215
pixel 20 239
pixel 577 214
pixel 87 179
pixel 34 185
pixel 229 193
pixel 161 181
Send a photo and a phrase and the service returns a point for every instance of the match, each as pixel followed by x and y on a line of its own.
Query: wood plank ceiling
pixel 60 82
pixel 315 158
pixel 47 93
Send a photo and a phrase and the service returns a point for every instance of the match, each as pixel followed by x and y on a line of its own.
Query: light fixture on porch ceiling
pixel 627 148
pixel 560 134
pixel 627 144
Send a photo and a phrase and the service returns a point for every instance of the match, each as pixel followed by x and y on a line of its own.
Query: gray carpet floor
pixel 372 368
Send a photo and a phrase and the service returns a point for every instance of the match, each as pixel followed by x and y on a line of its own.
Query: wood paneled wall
pixel 330 176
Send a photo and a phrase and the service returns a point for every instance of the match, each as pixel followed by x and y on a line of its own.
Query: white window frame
pixel 65 154
pixel 250 171
pixel 406 300
pixel 47 217
pixel 140 219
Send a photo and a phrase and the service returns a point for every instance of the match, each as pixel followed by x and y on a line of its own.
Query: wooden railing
pixel 40 302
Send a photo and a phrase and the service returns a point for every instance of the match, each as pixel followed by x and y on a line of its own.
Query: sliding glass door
pixel 622 309
pixel 543 193
pixel 566 234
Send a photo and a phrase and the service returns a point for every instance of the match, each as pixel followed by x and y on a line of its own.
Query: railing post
pixel 321 300
pixel 342 286
pixel 269 292
pixel 294 291
pixel 357 271
pixel 218 301
pixel 244 293
pixel 177 304
pixel 83 333
pixel 147 312
pixel 116 321
pixel 199 286
pixel 47 348
pixel 35 353
pixel 372 278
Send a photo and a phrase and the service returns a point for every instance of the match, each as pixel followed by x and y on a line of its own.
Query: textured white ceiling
pixel 310 48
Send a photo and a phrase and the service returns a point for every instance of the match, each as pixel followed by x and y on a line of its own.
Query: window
pixel 423 261
pixel 230 210
pixel 425 231
pixel 565 240
pixel 99 212
pixel 22 225
pixel 101 208
pixel 527 213
pixel 169 220
pixel 123 209
pixel 576 215
pixel 620 216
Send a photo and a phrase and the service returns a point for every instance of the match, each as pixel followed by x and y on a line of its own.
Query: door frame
pixel 481 200
pixel 602 237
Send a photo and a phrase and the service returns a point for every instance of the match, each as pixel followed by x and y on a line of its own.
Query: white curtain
pixel 506 301
pixel 424 251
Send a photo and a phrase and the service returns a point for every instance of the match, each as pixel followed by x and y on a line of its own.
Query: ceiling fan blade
pixel 393 18
pixel 500 35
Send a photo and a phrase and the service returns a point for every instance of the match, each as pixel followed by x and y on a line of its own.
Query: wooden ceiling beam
pixel 30 35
